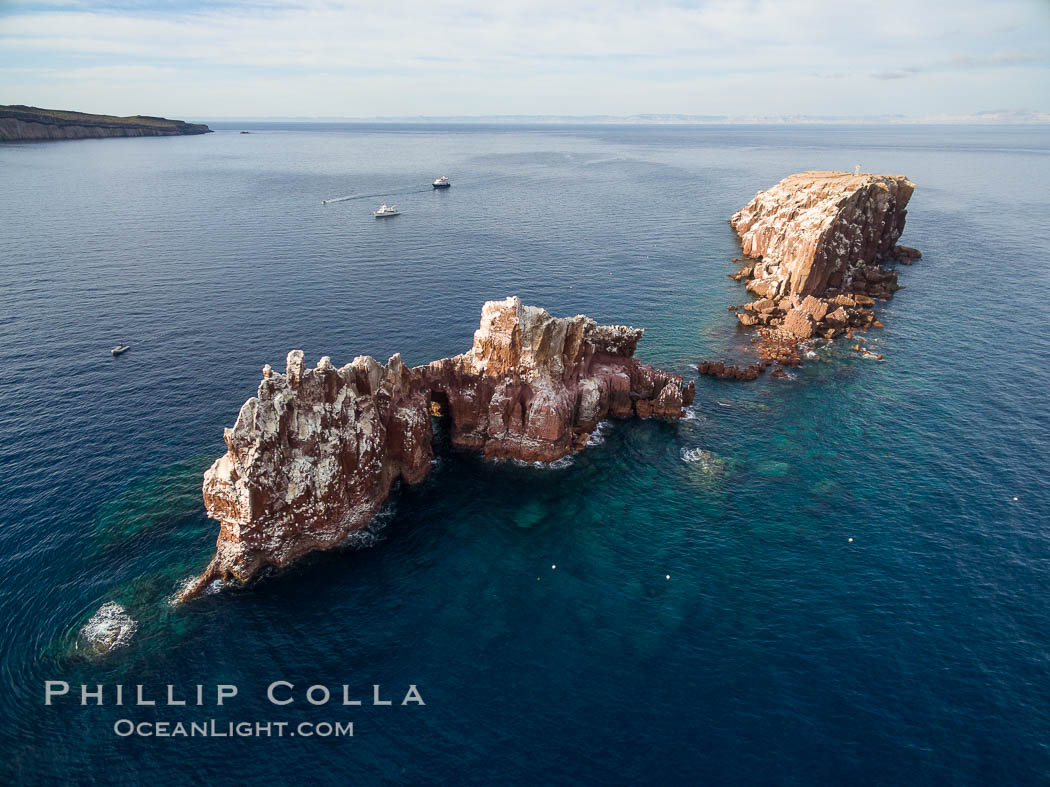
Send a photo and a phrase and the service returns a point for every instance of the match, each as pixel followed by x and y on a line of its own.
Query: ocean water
pixel 843 577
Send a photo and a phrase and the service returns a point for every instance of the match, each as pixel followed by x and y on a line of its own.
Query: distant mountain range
pixel 995 116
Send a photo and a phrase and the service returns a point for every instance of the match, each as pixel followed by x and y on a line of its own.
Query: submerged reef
pixel 313 456
pixel 814 244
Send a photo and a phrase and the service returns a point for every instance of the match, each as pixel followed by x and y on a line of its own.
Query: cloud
pixel 615 53
pixel 966 62
pixel 999 59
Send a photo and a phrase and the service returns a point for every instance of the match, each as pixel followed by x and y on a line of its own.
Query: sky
pixel 343 58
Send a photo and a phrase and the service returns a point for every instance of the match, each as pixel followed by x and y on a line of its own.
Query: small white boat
pixel 385 210
pixel 120 348
pixel 442 182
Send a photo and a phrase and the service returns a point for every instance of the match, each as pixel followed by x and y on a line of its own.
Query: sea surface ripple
pixel 709 619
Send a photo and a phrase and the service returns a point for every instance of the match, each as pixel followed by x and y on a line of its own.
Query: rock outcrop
pixel 816 241
pixel 727 371
pixel 19 122
pixel 533 386
pixel 315 453
pixel 820 230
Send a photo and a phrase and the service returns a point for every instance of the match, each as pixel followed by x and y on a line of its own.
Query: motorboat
pixel 442 182
pixel 385 210
pixel 120 348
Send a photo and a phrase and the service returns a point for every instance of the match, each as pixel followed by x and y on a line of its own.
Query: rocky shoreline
pixel 813 247
pixel 19 123
pixel 314 455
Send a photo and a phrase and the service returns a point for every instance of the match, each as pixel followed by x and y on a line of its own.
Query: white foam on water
pixel 695 455
pixel 109 628
pixel 361 539
pixel 212 588
pixel 708 462
pixel 372 533
pixel 557 464
pixel 597 437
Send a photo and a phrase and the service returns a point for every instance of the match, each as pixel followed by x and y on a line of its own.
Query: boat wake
pixel 350 197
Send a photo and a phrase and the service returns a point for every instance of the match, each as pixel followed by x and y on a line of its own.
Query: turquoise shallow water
pixel 778 650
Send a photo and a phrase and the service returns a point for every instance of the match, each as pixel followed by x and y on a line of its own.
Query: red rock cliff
pixel 314 454
pixel 533 385
pixel 814 229
pixel 816 240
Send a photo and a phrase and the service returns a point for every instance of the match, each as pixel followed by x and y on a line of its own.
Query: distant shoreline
pixel 982 119
pixel 19 122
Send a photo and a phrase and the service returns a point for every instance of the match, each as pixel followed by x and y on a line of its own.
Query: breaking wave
pixel 557 464
pixel 597 437
pixel 695 455
pixel 693 414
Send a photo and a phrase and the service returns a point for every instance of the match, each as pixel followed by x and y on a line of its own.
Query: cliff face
pixel 817 239
pixel 313 456
pixel 813 230
pixel 19 122
pixel 533 386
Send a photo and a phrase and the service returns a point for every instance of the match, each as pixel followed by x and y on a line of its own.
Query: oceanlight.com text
pixel 240 729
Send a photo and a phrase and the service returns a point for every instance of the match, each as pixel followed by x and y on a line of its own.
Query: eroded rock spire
pixel 314 454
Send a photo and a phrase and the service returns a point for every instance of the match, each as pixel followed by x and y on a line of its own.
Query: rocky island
pixel 814 244
pixel 313 456
pixel 18 122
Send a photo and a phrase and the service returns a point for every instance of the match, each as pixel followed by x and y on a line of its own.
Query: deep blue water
pixel 778 650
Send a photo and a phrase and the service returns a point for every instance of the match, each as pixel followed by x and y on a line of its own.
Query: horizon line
pixel 996 117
